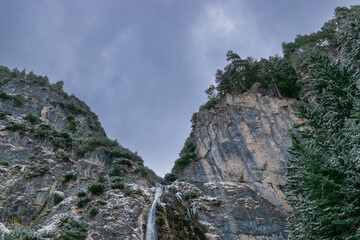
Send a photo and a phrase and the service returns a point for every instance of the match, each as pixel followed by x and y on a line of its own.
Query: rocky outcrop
pixel 61 175
pixel 234 188
pixel 52 150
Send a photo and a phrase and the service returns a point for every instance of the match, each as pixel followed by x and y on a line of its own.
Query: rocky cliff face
pixel 64 179
pixel 234 189
pixel 59 174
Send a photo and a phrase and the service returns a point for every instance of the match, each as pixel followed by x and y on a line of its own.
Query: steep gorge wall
pixel 36 157
pixel 234 189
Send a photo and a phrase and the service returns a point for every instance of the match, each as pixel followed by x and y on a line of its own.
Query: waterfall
pixel 150 226
pixel 187 210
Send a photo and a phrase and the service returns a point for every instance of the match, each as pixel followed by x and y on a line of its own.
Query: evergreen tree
pixel 324 177
pixel 348 22
pixel 239 75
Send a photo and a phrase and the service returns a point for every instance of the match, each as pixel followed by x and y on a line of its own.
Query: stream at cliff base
pixel 150 227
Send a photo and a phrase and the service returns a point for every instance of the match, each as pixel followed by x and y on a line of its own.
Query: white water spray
pixel 150 227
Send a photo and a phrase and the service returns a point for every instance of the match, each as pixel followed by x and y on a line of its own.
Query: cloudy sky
pixel 143 65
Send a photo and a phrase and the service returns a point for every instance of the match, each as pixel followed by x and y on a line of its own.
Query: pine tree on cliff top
pixel 324 177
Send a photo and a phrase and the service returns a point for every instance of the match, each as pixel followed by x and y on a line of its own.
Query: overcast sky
pixel 143 66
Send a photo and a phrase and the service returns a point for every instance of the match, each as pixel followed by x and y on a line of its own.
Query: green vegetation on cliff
pixel 280 76
pixel 186 155
pixel 75 140
pixel 324 176
pixel 240 75
pixel 59 142
pixel 287 75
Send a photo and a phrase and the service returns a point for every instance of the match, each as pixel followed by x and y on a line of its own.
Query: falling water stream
pixel 188 212
pixel 150 227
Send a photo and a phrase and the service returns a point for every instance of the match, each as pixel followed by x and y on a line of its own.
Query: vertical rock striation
pixel 235 186
pixel 47 168
pixel 59 171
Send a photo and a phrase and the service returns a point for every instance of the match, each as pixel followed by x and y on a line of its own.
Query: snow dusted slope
pixel 58 171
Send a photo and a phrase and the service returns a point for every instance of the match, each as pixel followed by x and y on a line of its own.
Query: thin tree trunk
pixel 242 86
pixel 297 74
pixel 277 89
pixel 348 217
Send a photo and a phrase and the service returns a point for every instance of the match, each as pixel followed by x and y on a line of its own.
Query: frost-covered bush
pixel 117 183
pixel 70 176
pixel 15 126
pixel 72 229
pixel 83 201
pixel 128 191
pixel 57 198
pixel 18 100
pixel 33 119
pixel 122 161
pixel 192 193
pixel 72 124
pixel 42 131
pixel 36 170
pixel 3 115
pixel 121 152
pixel 4 163
pixel 81 194
pixel 4 95
pixel 117 170
pixel 93 212
pixel 90 144
pixel 62 156
pixel 24 233
pixel 96 188
pixel 144 171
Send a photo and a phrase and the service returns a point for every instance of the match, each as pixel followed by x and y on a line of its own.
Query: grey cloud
pixel 142 66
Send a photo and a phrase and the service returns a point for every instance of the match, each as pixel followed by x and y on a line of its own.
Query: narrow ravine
pixel 151 233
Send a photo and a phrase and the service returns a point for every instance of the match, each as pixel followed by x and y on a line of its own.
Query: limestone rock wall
pixel 242 147
pixel 232 191
pixel 32 171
